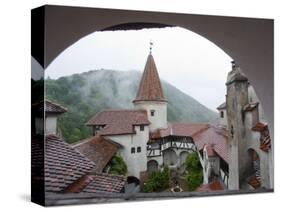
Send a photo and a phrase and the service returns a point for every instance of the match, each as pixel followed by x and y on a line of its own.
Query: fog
pixel 186 60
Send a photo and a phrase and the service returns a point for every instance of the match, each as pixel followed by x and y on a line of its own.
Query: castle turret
pixel 236 100
pixel 150 96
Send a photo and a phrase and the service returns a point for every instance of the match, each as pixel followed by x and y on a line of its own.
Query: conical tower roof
pixel 150 88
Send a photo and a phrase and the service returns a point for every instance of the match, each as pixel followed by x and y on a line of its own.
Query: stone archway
pixel 170 157
pixel 53 27
pixel 254 161
pixel 133 180
pixel 152 165
pixel 254 169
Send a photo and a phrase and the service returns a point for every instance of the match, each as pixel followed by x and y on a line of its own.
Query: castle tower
pixel 236 99
pixel 150 95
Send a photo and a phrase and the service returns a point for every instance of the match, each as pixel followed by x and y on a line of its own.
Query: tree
pixel 158 181
pixel 194 175
pixel 117 165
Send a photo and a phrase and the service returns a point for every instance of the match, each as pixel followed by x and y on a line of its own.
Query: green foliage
pixel 158 181
pixel 194 179
pixel 192 162
pixel 194 175
pixel 117 165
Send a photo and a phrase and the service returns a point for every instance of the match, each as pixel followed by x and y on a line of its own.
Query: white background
pixel 15 107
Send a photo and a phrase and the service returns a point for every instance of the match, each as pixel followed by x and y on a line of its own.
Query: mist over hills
pixel 90 92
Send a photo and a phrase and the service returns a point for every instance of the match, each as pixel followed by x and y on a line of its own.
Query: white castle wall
pixel 51 125
pixel 159 120
pixel 136 162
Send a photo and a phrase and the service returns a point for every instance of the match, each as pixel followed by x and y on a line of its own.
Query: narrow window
pixel 232 131
pixel 152 112
pixel 133 150
pixel 141 127
pixel 222 114
pixel 139 149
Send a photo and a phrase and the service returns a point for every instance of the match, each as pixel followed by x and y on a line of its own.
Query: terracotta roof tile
pixel 259 127
pixel 254 182
pixel 118 122
pixel 265 140
pixel 216 137
pixel 98 149
pixel 178 129
pixel 210 151
pixel 213 186
pixel 98 183
pixel 48 107
pixel 64 167
pixel 63 164
pixel 250 107
pixel 104 183
pixel 150 88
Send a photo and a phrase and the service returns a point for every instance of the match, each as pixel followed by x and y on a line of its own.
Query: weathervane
pixel 150 46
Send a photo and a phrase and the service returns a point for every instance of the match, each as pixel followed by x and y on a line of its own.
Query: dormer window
pixel 152 112
pixel 141 127
pixel 222 114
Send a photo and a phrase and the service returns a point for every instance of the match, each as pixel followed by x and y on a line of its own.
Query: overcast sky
pixel 186 60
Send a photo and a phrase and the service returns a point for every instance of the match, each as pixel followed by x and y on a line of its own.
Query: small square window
pixel 141 127
pixel 139 149
pixel 133 150
pixel 152 112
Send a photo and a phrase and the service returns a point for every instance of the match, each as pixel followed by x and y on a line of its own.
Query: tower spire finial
pixel 150 46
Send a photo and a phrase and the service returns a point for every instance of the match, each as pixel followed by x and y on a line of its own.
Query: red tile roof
pixel 48 107
pixel 210 151
pixel 150 88
pixel 98 183
pixel 254 182
pixel 97 149
pixel 105 183
pixel 259 127
pixel 179 129
pixel 64 166
pixel 265 140
pixel 250 107
pixel 213 186
pixel 118 122
pixel 215 137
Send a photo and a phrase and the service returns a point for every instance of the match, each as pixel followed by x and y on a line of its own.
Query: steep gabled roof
pixel 63 164
pixel 98 149
pixel 150 88
pixel 118 122
pixel 216 138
